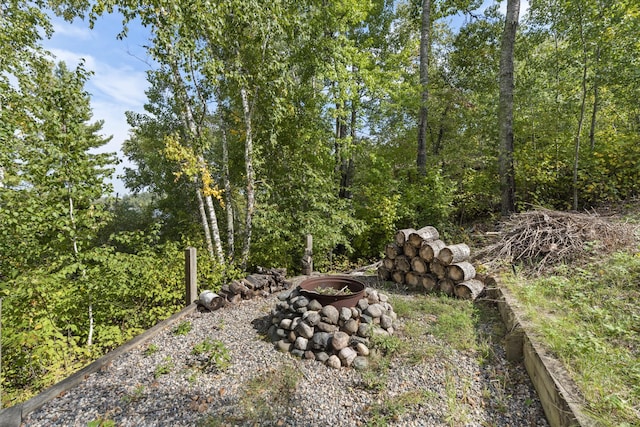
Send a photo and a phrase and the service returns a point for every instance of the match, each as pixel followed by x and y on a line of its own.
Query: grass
pixel 151 349
pixel 391 408
pixel 266 399
pixel 589 317
pixel 163 368
pixel 218 356
pixel 455 325
pixel 183 328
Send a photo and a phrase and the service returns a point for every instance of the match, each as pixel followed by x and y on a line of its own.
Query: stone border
pixel 14 415
pixel 561 400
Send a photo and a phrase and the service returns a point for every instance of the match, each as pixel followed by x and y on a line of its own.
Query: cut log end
pixel 454 253
pixel 430 250
pixel 392 250
pixel 425 234
pixel 461 271
pixel 469 290
pixel 402 235
pixel 446 286
pixel 398 277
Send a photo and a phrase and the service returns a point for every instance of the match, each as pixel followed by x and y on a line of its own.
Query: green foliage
pixel 218 356
pixel 164 368
pixel 391 408
pixel 45 321
pixel 151 349
pixel 595 335
pixel 183 328
pixel 101 422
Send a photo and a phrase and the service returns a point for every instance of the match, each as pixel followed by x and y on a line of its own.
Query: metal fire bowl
pixel 308 287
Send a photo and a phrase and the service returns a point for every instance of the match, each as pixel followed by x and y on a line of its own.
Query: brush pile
pixel 541 239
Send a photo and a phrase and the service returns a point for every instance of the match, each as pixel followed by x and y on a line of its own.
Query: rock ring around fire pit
pixel 338 291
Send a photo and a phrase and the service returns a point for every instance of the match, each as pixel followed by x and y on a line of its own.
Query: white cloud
pixel 72 59
pixel 124 85
pixel 65 29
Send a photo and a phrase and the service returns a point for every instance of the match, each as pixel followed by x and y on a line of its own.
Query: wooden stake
pixel 191 275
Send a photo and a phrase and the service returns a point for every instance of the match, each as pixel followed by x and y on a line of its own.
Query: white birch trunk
pixel 209 223
pixel 213 222
pixel 205 222
pixel 227 194
pixel 83 273
pixel 248 155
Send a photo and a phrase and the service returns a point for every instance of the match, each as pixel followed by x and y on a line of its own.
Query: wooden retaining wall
pixel 14 415
pixel 559 395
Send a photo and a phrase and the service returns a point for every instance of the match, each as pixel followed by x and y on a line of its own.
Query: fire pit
pixel 337 291
pixel 331 319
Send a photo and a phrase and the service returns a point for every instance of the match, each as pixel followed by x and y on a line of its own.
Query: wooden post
pixel 307 259
pixel 191 275
pixel 0 352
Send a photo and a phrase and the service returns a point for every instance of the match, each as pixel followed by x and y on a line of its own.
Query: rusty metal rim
pixel 336 282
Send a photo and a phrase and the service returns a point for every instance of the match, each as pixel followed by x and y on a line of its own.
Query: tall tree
pixel 425 44
pixel 505 109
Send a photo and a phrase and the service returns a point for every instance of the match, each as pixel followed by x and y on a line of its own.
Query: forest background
pixel 268 121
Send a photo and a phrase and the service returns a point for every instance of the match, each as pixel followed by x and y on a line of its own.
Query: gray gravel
pixel 454 387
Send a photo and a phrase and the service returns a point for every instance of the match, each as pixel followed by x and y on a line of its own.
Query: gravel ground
pixel 452 388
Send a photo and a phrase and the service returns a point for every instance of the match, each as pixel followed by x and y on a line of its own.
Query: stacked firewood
pixel 263 283
pixel 420 260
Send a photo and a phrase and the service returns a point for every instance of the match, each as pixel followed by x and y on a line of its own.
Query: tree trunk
pixel 576 153
pixel 204 220
pixel 505 109
pixel 227 195
pixel 425 42
pixel 596 101
pixel 248 157
pixel 347 168
pixel 193 131
pixel 213 222
pixel 83 273
pixel 388 263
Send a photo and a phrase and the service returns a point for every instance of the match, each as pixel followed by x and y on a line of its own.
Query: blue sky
pixel 119 68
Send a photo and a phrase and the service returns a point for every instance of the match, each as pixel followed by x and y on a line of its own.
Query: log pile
pixel 264 282
pixel 420 260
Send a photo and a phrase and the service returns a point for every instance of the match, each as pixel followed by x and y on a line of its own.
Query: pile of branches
pixel 541 239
